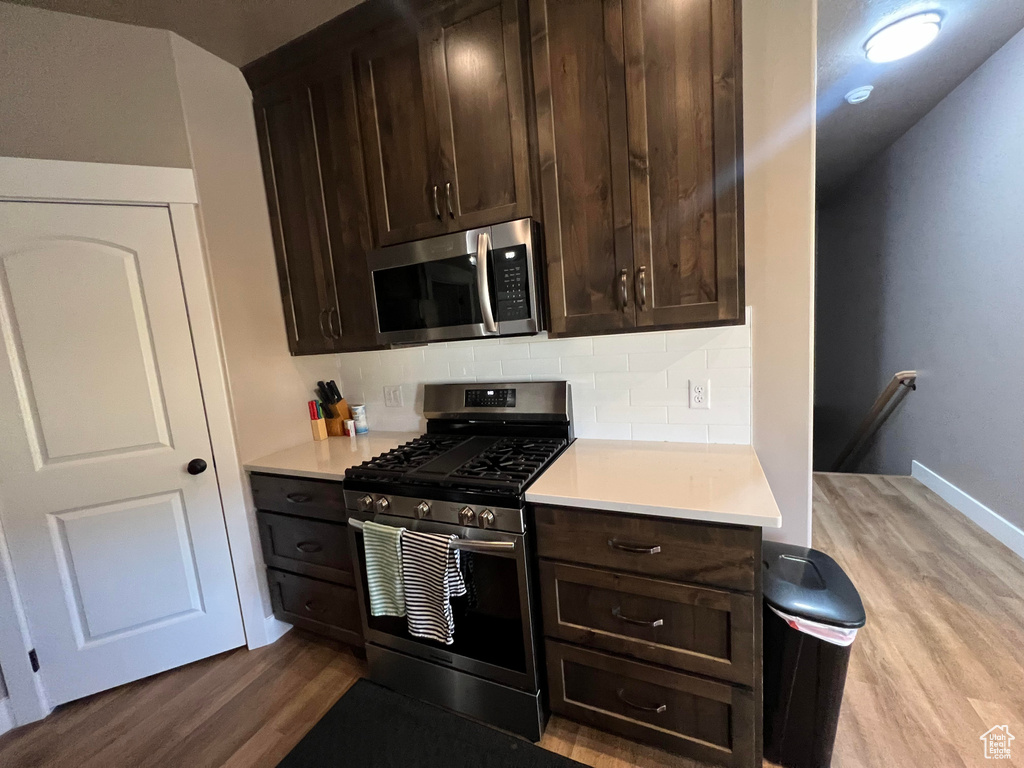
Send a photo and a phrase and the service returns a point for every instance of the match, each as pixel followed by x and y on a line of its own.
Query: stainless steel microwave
pixel 465 285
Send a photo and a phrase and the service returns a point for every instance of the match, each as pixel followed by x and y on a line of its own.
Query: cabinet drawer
pixel 310 547
pixel 691 628
pixel 688 715
pixel 703 553
pixel 323 499
pixel 319 606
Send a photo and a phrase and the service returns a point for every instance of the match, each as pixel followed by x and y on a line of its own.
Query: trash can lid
pixel 811 585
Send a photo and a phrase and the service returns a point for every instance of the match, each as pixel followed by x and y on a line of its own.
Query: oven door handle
pixel 482 248
pixel 465 545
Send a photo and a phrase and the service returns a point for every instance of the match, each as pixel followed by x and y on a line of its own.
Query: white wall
pixel 73 88
pixel 779 62
pixel 627 387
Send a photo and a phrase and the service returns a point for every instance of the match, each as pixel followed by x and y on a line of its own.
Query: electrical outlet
pixel 393 396
pixel 700 393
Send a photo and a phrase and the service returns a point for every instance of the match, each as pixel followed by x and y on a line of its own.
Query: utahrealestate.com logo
pixel 997 742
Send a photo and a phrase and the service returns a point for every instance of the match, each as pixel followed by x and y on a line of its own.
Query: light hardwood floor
pixel 940 661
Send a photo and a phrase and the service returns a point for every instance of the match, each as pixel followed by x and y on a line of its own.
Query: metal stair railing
pixel 898 388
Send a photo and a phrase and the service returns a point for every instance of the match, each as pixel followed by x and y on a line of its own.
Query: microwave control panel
pixel 511 283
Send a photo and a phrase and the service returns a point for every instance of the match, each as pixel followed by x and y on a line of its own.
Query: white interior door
pixel 120 554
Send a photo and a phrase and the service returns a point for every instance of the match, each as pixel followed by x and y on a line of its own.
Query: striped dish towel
pixel 432 577
pixel 383 545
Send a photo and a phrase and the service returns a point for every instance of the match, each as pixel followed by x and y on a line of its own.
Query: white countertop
pixel 328 459
pixel 685 481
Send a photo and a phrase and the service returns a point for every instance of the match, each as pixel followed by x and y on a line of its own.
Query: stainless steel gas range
pixel 485 444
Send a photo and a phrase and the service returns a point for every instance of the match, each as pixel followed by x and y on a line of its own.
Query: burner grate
pixel 510 461
pixel 406 458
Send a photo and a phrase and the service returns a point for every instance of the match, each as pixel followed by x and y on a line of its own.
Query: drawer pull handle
pixel 634 549
pixel 311 607
pixel 299 498
pixel 309 547
pixel 658 709
pixel 617 613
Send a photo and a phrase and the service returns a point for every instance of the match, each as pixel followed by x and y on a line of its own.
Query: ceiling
pixel 849 136
pixel 239 31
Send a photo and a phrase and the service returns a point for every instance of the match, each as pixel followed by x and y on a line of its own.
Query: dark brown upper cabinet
pixel 638 135
pixel 444 122
pixel 292 178
pixel 308 143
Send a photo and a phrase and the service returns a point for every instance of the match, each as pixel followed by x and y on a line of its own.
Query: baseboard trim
pixel 993 523
pixel 6 716
pixel 276 629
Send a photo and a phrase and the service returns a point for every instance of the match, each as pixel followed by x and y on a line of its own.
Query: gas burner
pixel 408 457
pixel 510 460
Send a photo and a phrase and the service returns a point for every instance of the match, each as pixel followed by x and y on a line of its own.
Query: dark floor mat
pixel 373 727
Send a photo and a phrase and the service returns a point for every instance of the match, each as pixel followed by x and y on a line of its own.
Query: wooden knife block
pixel 335 417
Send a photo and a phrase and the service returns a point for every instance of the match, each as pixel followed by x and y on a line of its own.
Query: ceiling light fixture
pixel 903 38
pixel 859 95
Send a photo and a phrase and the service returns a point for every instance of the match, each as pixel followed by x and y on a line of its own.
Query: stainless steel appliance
pixel 485 444
pixel 477 283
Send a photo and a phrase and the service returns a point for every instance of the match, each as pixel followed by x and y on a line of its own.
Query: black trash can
pixel 811 615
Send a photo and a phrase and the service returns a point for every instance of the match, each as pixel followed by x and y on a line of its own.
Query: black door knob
pixel 196 467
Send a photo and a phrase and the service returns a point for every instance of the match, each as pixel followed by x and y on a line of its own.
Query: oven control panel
pixel 511 281
pixel 490 398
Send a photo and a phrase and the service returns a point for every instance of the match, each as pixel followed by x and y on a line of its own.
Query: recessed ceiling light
pixel 904 37
pixel 859 95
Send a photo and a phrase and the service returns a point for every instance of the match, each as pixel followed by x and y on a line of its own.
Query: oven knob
pixel 366 502
pixel 486 519
pixel 383 504
pixel 467 516
pixel 421 510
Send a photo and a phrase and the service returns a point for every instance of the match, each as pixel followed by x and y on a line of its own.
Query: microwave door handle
pixel 482 249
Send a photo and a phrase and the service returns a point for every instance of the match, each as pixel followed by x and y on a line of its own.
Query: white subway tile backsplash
pixel 721 433
pixel 660 361
pixel 729 358
pixel 671 433
pixel 657 379
pixel 632 414
pixel 630 342
pixel 597 431
pixel 594 364
pixel 630 386
pixel 502 352
pixel 562 348
pixel 531 367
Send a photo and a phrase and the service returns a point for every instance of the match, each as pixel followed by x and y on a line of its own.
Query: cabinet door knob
pixel 309 547
pixel 437 208
pixel 623 293
pixel 448 198
pixel 617 613
pixel 196 467
pixel 642 279
pixel 656 709
pixel 323 331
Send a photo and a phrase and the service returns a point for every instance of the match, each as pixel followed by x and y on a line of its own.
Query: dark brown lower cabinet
pixel 653 629
pixel 309 563
pixel 700 718
pixel 319 606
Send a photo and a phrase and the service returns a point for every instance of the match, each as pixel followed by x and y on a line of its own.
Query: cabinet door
pixel 579 82
pixel 682 91
pixel 350 316
pixel 294 196
pixel 476 63
pixel 400 139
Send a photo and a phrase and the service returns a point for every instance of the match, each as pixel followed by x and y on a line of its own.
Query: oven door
pixel 493 621
pixel 471 284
